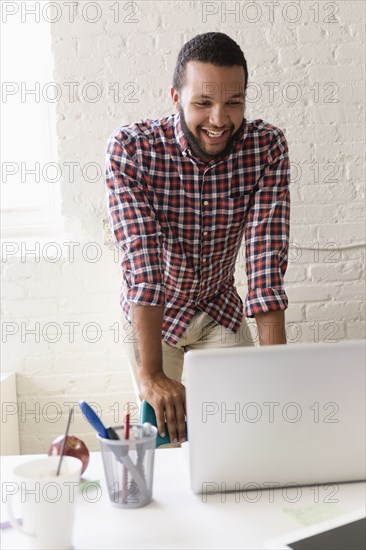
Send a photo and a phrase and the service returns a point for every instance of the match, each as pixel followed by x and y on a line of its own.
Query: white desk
pixel 179 519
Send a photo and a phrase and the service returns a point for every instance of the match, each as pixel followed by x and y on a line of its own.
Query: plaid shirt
pixel 180 222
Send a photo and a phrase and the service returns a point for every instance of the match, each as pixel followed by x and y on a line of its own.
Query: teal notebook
pixel 147 414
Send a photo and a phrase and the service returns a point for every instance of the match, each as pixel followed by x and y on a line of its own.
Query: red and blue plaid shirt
pixel 180 222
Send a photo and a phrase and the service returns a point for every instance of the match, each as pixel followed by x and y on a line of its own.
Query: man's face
pixel 211 100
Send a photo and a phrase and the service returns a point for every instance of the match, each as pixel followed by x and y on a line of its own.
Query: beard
pixel 195 144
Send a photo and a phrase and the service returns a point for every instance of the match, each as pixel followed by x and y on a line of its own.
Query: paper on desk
pixel 315 513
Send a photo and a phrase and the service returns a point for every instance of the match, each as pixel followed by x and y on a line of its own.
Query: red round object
pixel 74 447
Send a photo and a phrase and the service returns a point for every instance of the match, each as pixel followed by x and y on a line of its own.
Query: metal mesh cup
pixel 129 466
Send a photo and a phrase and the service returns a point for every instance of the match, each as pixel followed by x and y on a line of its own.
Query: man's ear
pixel 175 98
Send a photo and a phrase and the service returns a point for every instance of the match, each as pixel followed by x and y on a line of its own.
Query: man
pixel 183 192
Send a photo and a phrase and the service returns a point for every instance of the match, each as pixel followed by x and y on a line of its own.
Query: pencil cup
pixel 129 466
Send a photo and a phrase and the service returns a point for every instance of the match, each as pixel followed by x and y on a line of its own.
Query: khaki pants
pixel 202 333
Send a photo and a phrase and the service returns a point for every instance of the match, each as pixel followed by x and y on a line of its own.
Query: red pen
pixel 127 422
pixel 125 471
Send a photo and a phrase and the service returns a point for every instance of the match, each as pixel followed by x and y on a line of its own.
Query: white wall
pixel 325 287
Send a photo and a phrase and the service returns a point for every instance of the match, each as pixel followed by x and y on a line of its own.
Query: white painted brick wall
pixel 325 287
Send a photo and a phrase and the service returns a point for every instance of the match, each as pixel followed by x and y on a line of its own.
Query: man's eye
pixel 204 103
pixel 234 103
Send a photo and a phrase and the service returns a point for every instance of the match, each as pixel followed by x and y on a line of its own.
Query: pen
pixel 125 471
pixel 95 421
pixel 127 422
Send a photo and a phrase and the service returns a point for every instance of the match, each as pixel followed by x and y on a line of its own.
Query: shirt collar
pixel 184 144
pixel 179 135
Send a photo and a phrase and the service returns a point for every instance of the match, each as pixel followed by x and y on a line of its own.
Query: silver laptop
pixel 275 415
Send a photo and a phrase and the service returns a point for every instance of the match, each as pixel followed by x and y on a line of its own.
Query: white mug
pixel 47 501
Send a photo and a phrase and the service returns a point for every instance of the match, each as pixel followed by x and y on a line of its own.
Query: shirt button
pixel 205 232
pixel 205 203
pixel 203 259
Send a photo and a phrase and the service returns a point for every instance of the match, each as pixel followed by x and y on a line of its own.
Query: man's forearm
pixel 271 327
pixel 165 395
pixel 148 321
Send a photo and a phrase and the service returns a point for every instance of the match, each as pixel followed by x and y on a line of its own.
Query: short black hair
pixel 211 47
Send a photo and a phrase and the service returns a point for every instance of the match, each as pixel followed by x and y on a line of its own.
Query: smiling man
pixel 186 193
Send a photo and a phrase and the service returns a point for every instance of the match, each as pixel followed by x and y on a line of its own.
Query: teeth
pixel 214 134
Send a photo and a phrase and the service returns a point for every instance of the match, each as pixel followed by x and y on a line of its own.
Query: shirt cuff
pixel 147 294
pixel 262 300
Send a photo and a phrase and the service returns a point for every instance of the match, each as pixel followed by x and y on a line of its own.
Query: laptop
pixel 275 416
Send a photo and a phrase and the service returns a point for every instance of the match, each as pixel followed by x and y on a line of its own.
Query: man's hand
pixel 167 397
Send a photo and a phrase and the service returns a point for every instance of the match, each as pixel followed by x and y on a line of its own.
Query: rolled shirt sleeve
pixel 136 230
pixel 267 233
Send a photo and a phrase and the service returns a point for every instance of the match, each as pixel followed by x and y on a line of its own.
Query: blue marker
pixel 95 421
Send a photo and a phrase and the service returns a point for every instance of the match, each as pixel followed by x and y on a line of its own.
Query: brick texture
pixel 61 321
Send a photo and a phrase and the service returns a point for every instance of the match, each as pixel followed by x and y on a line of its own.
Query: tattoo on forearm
pixel 136 351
